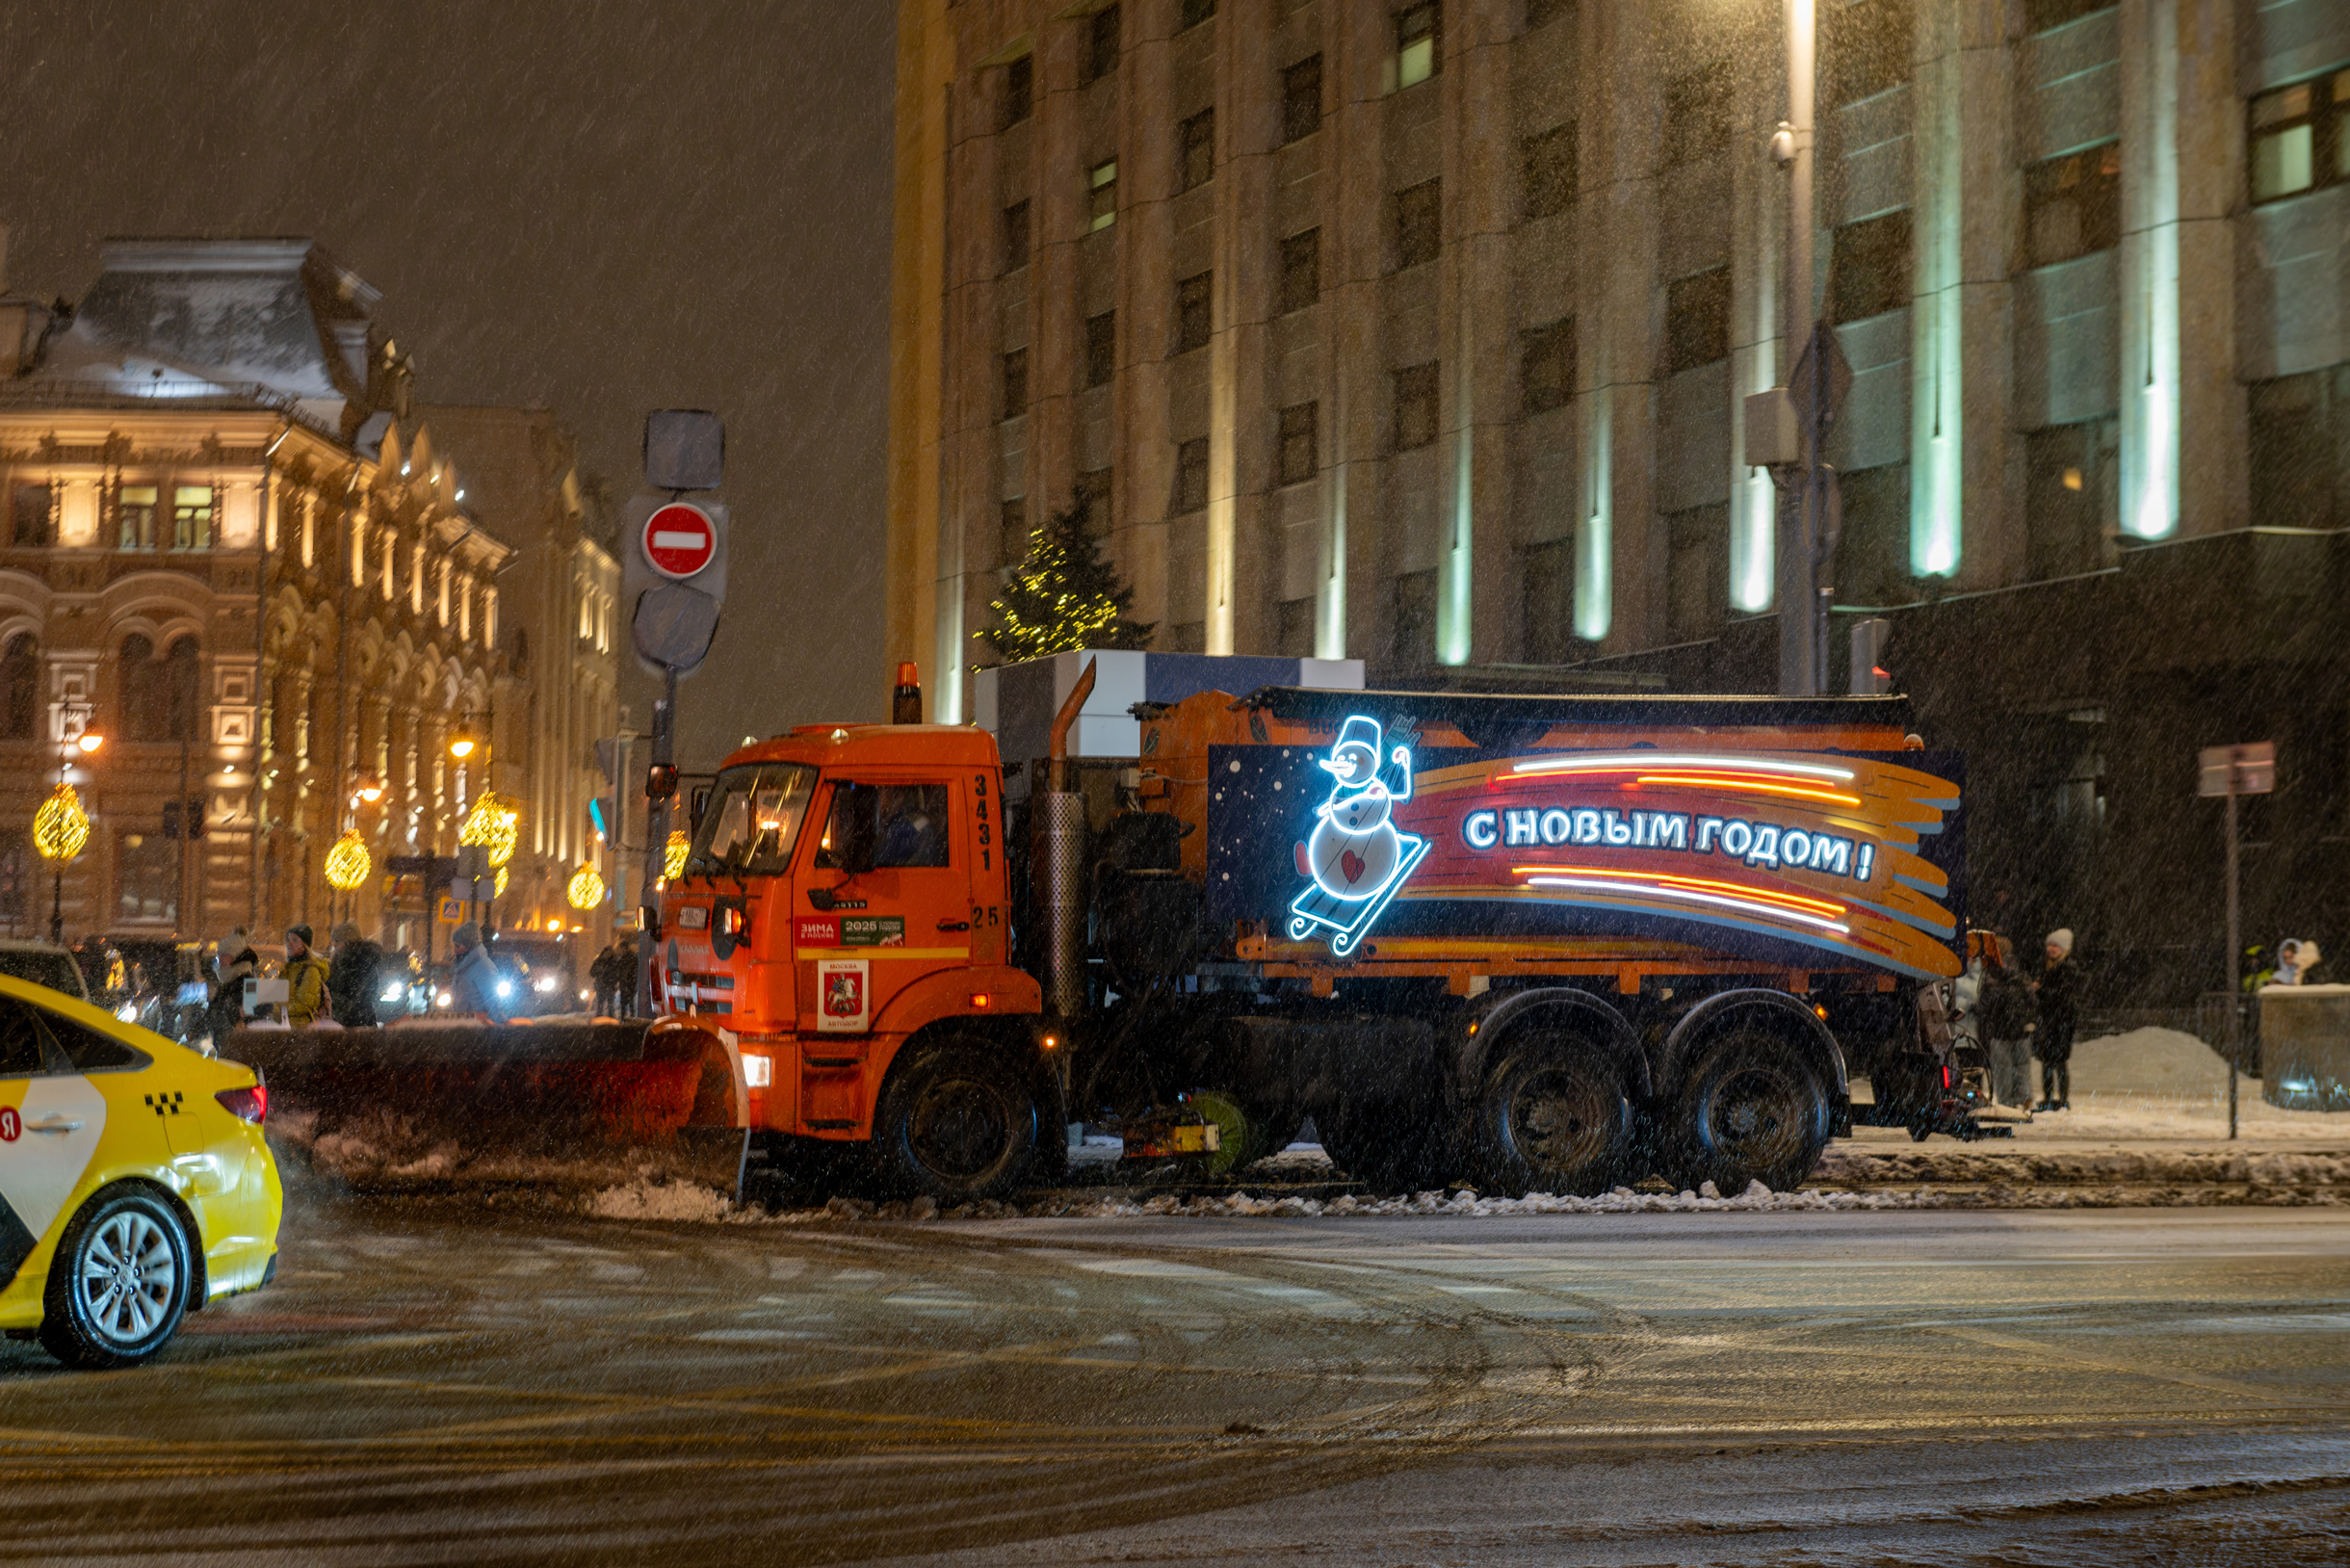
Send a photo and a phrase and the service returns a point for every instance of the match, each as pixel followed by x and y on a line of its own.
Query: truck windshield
pixel 752 819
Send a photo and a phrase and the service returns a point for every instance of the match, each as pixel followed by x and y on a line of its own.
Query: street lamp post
pixel 60 827
pixel 1802 611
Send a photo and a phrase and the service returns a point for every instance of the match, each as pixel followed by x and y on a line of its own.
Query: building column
pixel 2150 266
pixel 1762 351
pixel 2214 427
pixel 1937 355
pixel 1617 547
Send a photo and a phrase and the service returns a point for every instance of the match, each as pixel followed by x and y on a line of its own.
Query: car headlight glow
pixel 547 984
pixel 443 1000
pixel 506 987
pixel 393 993
pixel 128 1012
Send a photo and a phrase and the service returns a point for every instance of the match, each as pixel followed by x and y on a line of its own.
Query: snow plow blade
pixel 527 1103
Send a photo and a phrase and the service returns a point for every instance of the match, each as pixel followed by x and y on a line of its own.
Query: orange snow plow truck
pixel 1543 944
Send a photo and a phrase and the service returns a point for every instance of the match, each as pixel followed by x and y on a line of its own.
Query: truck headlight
pixel 758 1071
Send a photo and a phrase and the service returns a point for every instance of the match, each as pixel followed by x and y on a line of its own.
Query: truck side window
pixel 884 826
pixel 913 826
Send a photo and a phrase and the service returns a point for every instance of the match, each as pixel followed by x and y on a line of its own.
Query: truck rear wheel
pixel 959 1122
pixel 1748 1109
pixel 1555 1117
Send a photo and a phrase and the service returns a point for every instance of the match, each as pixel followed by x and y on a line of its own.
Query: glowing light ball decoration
pixel 673 856
pixel 60 828
pixel 497 889
pixel 587 889
pixel 347 863
pixel 494 824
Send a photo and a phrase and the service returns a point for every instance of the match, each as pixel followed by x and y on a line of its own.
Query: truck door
pixel 895 868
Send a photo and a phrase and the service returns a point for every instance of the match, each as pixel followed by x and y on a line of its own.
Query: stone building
pixel 1418 332
pixel 559 594
pixel 231 547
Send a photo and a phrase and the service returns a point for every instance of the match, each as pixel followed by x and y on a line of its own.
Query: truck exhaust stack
pixel 1058 857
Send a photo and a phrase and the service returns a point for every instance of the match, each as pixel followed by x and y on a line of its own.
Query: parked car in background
pixel 43 963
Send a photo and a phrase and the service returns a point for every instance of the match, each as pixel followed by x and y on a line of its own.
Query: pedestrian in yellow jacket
pixel 305 977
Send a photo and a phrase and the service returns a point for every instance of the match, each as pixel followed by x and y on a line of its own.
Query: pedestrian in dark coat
pixel 350 977
pixel 2059 998
pixel 235 963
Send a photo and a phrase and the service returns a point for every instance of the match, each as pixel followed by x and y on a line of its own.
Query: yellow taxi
pixel 134 1184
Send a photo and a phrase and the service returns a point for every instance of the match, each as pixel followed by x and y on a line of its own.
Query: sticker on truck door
pixel 844 996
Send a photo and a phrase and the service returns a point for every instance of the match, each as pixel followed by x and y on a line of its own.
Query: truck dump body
pixel 1600 836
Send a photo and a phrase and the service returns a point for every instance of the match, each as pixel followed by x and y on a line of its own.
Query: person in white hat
pixel 2059 997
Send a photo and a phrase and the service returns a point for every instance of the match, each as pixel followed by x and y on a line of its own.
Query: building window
pixel 1546 162
pixel 1543 13
pixel 1300 270
pixel 464 609
pixel 2069 476
pixel 2298 138
pixel 2072 205
pixel 1869 271
pixel 358 550
pixel 1417 35
pixel 1300 450
pixel 192 517
pixel 146 872
pixel 1546 366
pixel 1411 624
pixel 1697 572
pixel 391 548
pixel 1012 532
pixel 1191 476
pixel 1103 200
pixel 1097 499
pixel 586 614
pixel 1865 49
pixel 1194 311
pixel 1301 100
pixel 1015 236
pixel 33 516
pixel 135 510
pixel 1295 634
pixel 1192 13
pixel 1018 92
pixel 1873 556
pixel 1101 348
pixel 1697 321
pixel 440 593
pixel 1015 384
pixel 1195 158
pixel 1545 601
pixel 2300 457
pixel 1697 115
pixel 1415 392
pixel 1419 222
pixel 1102 45
pixel 20 688
pixel 158 694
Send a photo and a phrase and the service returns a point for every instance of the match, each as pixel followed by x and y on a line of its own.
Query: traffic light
pixel 661 781
pixel 596 821
pixel 1869 676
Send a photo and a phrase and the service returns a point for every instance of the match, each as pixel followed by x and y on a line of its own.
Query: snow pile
pixel 2021 1165
pixel 641 1199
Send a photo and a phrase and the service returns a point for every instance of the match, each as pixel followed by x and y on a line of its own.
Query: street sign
pixel 680 540
pixel 673 579
pixel 2236 770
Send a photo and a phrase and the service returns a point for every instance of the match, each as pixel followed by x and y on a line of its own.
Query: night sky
pixel 599 208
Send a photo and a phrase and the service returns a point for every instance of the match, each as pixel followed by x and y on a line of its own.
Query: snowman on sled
pixel 1355 858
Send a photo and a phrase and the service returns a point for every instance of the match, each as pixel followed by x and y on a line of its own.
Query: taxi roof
pixel 875 746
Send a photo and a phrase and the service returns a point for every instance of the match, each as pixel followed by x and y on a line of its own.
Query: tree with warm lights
pixel 1062 596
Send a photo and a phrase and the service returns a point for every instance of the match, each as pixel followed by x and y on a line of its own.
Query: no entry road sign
pixel 680 540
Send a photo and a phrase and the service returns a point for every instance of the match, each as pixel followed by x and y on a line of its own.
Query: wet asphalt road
pixel 474 1384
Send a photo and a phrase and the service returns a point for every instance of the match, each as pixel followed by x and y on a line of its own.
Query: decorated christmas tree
pixel 1062 595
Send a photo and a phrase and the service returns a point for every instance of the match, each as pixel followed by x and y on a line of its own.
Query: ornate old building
pixel 230 548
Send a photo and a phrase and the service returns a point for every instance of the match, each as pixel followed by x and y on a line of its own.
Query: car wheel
pixel 119 1286
pixel 1556 1118
pixel 958 1122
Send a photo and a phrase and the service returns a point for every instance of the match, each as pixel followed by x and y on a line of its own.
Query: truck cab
pixel 841 915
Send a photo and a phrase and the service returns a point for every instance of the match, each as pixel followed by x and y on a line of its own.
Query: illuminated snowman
pixel 1354 850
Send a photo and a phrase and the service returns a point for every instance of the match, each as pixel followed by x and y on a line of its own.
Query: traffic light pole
pixel 656 841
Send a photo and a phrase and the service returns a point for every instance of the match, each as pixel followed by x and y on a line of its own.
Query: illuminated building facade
pixel 1417 332
pixel 230 545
